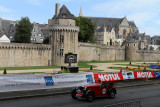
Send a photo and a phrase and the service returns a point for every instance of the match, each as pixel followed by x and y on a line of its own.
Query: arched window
pixel 110 41
pixel 124 32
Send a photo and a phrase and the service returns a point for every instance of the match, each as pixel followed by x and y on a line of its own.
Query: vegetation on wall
pixel 46 40
pixel 87 28
pixel 23 30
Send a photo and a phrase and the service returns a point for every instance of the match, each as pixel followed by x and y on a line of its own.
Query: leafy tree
pixel 23 30
pixel 86 29
pixel 46 40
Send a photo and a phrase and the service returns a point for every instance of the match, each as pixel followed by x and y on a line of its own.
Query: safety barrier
pixel 126 104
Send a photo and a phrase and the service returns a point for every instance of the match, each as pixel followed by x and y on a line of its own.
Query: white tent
pixel 4 38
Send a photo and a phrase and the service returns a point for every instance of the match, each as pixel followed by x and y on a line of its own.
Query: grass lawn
pixel 80 64
pixel 92 70
pixel 30 67
pixel 117 68
pixel 30 73
pixel 118 61
pixel 85 65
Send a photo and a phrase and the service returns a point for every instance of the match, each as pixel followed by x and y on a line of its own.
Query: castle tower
pixel 80 13
pixel 63 35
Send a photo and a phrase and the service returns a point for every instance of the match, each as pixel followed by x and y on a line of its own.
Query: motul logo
pixel 144 75
pixel 109 77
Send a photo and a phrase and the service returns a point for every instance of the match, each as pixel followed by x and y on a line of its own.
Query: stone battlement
pixel 24 46
pixel 102 46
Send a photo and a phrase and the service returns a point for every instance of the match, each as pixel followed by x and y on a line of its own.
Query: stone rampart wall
pixel 96 52
pixel 18 54
pixel 143 55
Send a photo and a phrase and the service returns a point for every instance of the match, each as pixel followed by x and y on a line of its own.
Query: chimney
pixel 57 10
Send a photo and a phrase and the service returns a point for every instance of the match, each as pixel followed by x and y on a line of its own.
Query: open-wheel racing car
pixel 90 91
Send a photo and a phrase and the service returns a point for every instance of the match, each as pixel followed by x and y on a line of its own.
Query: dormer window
pixel 64 15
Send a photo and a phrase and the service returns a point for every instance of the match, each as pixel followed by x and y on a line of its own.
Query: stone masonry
pixel 63 34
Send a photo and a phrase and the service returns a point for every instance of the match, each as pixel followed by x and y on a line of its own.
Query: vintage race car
pixel 89 92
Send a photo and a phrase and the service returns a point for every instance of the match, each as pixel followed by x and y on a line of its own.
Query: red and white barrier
pixel 108 77
pixel 146 74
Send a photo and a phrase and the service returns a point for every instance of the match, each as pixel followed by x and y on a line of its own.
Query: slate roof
pixel 65 13
pixel 7 27
pixel 134 37
pixel 119 36
pixel 132 24
pixel 155 40
pixel 100 21
pixel 102 28
pixel 37 35
pixel 131 39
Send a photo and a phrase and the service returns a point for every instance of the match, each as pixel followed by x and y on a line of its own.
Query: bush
pixel 5 72
pixel 91 68
pixel 66 71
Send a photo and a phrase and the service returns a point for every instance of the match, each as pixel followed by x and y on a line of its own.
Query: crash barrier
pixel 32 82
pixel 126 104
pixel 126 75
pixel 152 66
pixel 108 77
pixel 143 75
pixel 155 66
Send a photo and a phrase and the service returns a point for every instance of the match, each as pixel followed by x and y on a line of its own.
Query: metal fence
pixel 126 104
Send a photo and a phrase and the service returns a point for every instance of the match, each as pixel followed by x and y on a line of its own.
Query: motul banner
pixel 108 77
pixel 141 75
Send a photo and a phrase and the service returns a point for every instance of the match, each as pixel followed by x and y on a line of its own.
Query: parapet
pixel 24 46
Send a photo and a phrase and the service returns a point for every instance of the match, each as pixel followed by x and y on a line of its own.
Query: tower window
pixel 61 52
pixel 61 38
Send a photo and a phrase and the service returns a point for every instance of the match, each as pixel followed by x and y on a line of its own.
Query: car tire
pixel 112 94
pixel 73 94
pixel 90 97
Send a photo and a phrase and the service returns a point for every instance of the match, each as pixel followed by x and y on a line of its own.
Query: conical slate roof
pixel 65 13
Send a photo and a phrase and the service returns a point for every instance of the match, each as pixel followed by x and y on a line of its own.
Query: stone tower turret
pixel 63 35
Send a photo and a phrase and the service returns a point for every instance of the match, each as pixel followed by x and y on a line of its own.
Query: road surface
pixel 149 96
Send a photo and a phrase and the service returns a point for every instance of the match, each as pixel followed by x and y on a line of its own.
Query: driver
pixel 99 80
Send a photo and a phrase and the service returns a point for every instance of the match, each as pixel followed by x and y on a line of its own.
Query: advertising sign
pixel 70 58
pixel 157 74
pixel 108 77
pixel 128 75
pixel 141 75
pixel 33 82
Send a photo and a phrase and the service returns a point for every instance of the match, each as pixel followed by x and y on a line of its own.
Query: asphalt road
pixel 149 96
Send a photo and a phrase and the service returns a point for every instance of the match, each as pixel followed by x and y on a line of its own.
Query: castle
pixel 118 38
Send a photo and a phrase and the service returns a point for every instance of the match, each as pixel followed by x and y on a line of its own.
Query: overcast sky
pixel 145 13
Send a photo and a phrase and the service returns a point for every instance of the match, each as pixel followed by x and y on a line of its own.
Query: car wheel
pixel 111 94
pixel 90 97
pixel 73 94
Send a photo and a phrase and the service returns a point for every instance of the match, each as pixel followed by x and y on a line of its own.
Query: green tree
pixel 23 30
pixel 86 29
pixel 46 40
